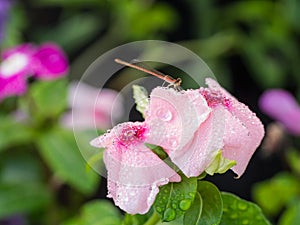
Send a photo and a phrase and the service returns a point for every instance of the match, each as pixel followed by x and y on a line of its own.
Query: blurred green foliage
pixel 264 35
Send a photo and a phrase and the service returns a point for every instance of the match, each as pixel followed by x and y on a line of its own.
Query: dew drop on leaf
pixel 158 209
pixel 169 215
pixel 242 206
pixel 185 204
pixel 234 216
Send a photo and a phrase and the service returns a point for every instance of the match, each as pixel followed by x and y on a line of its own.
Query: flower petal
pixel 17 61
pixel 15 85
pixel 194 158
pixel 132 175
pixel 173 117
pixel 241 118
pixel 92 107
pixel 50 62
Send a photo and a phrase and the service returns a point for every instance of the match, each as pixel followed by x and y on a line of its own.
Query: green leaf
pixel 219 164
pixel 207 207
pixel 270 73
pixel 46 99
pixel 20 167
pixel 22 198
pixel 92 155
pixel 67 34
pixel 60 151
pixel 174 199
pixel 140 96
pixel 293 158
pixel 194 213
pixel 284 186
pixel 13 133
pixel 174 222
pixel 97 212
pixel 291 215
pixel 237 211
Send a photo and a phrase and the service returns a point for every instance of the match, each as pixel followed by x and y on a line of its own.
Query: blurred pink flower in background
pixel 14 70
pixel 92 107
pixel 282 106
pixel 50 62
pixel 47 61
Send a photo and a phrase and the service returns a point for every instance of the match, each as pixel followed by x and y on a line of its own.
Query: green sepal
pixel 219 164
pixel 141 99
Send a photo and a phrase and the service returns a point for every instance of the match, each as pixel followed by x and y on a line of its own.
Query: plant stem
pixel 153 219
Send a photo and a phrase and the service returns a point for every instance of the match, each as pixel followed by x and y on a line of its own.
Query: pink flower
pixel 92 108
pixel 45 62
pixel 50 62
pixel 132 168
pixel 14 70
pixel 283 107
pixel 192 127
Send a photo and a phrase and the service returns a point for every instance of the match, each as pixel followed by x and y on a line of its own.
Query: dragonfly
pixel 172 81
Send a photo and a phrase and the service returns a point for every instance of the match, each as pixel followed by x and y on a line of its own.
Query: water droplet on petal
pixel 109 195
pixel 132 193
pixel 185 204
pixel 172 141
pixel 164 114
pixel 169 215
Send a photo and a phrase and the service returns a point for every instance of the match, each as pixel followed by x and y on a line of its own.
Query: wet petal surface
pixel 132 175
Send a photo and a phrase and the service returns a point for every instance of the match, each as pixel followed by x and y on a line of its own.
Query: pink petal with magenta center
pixel 242 118
pixel 132 175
